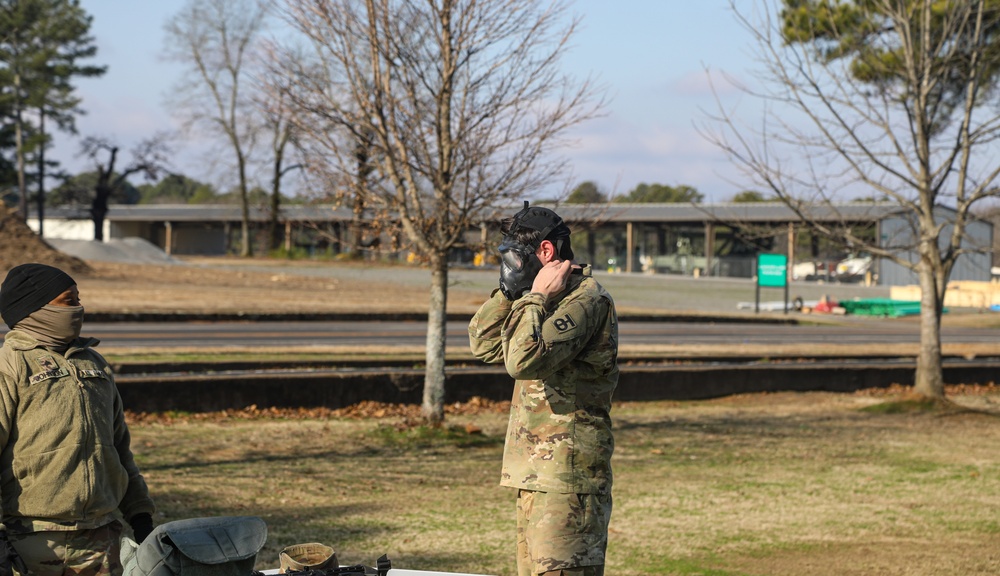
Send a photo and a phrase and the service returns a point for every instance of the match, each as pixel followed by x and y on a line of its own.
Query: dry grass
pixel 749 485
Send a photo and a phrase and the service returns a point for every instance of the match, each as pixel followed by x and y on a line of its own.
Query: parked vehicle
pixel 854 268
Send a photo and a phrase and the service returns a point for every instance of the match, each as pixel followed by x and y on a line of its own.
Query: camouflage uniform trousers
pixel 94 552
pixel 563 534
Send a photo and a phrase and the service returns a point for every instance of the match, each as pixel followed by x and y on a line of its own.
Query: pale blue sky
pixel 651 55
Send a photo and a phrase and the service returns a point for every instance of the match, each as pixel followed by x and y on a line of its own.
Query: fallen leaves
pixel 362 410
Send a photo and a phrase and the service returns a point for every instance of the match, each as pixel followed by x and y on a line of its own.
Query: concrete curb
pixel 112 317
pixel 341 387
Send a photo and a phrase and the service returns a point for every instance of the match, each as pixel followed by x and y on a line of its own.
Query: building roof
pixel 758 212
pixel 204 213
pixel 755 212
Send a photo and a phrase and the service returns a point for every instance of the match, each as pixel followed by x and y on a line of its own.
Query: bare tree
pixel 891 99
pixel 459 103
pixel 271 101
pixel 216 39
pixel 149 157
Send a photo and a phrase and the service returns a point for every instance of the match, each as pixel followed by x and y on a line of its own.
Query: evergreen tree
pixel 587 193
pixel 41 45
pixel 177 189
pixel 662 193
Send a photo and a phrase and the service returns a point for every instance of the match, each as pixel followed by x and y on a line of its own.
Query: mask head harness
pixel 518 262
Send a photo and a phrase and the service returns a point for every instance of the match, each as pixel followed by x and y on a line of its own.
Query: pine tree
pixel 41 45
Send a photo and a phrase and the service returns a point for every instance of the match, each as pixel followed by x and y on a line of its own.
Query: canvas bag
pixel 222 546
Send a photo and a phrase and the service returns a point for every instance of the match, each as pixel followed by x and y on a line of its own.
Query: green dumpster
pixel 881 307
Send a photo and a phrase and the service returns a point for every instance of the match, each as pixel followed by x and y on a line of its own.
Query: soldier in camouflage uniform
pixel 67 475
pixel 555 329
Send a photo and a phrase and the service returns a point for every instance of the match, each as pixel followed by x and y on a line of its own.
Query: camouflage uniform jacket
pixel 65 460
pixel 563 353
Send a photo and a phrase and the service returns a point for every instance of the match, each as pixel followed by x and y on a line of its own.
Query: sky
pixel 650 55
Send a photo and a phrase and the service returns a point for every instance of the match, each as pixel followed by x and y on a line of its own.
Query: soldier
pixel 67 476
pixel 555 329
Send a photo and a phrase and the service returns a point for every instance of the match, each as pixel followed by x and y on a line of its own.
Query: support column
pixel 484 234
pixel 629 246
pixel 288 236
pixel 791 251
pixel 169 240
pixel 592 249
pixel 709 248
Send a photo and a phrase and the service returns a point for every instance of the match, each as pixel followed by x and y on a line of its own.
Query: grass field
pixel 771 484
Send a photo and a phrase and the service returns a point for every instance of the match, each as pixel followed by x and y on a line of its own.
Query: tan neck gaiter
pixel 53 326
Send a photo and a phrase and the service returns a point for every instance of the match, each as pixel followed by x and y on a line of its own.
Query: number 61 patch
pixel 564 325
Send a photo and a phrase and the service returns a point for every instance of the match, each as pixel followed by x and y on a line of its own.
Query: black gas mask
pixel 518 262
pixel 518 267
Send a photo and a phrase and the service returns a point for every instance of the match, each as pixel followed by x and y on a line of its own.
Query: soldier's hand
pixel 142 525
pixel 551 279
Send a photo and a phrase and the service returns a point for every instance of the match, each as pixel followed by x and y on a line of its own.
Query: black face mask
pixel 518 267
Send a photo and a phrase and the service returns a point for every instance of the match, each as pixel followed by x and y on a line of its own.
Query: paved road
pixel 265 334
pixel 662 292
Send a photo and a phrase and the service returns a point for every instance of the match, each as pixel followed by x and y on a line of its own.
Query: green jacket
pixel 65 461
pixel 563 354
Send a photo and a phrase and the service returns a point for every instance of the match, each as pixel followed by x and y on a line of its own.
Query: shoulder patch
pixel 48 363
pixel 565 323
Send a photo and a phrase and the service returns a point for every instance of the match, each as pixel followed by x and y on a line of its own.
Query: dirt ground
pixel 214 287
pixel 18 245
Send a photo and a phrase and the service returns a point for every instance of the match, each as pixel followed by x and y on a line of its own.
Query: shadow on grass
pixel 441 562
pixel 423 436
pixel 924 405
pixel 774 427
pixel 388 440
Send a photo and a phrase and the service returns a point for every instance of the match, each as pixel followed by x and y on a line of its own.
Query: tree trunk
pixel 929 380
pixel 40 199
pixel 433 402
pixel 246 247
pixel 361 152
pixel 275 203
pixel 99 211
pixel 102 191
pixel 22 185
pixel 357 228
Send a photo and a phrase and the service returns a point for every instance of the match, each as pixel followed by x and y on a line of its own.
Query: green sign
pixel 772 270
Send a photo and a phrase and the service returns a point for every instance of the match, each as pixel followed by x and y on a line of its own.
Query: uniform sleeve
pixel 484 329
pixel 537 343
pixel 136 498
pixel 8 408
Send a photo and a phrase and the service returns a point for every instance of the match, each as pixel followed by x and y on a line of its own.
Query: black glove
pixel 9 558
pixel 142 525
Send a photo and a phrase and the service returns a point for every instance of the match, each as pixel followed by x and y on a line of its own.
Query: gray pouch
pixel 223 546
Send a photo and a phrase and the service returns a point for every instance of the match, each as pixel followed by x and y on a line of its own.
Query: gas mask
pixel 518 267
pixel 518 262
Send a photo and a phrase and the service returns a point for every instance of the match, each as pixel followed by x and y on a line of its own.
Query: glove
pixel 142 525
pixel 9 558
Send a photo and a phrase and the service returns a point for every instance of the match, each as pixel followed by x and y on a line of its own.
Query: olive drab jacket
pixel 65 456
pixel 563 354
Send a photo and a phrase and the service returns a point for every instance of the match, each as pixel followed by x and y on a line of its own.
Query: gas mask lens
pixel 512 258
